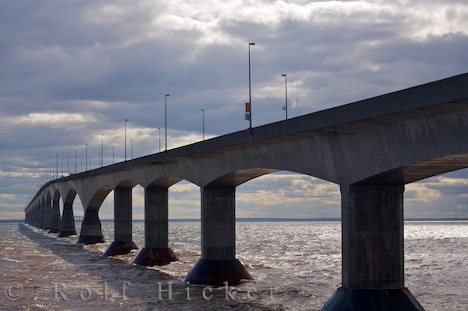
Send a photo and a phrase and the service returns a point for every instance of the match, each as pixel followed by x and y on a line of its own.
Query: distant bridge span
pixel 371 148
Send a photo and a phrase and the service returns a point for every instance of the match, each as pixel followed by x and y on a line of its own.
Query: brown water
pixel 296 266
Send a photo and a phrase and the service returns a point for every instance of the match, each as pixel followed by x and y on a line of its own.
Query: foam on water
pixel 296 266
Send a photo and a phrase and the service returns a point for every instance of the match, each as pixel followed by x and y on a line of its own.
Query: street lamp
pixel 102 150
pixel 113 159
pixel 86 157
pixel 250 89
pixel 285 108
pixel 126 120
pixel 165 117
pixel 159 133
pixel 203 122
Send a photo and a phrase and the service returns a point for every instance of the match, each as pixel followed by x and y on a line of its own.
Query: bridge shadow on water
pixel 145 288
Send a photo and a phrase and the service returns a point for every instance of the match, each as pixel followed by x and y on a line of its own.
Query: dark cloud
pixel 97 63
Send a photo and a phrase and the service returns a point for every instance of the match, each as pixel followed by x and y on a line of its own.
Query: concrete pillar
pixel 54 222
pixel 37 218
pixel 123 243
pixel 47 212
pixel 218 263
pixel 156 250
pixel 67 225
pixel 372 250
pixel 91 232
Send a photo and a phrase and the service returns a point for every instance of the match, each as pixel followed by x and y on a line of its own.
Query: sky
pixel 72 71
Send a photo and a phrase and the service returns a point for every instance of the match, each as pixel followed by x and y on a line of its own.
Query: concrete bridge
pixel 371 148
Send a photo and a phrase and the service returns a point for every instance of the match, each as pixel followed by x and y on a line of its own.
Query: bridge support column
pixel 123 243
pixel 372 250
pixel 91 232
pixel 38 217
pixel 156 250
pixel 54 224
pixel 46 214
pixel 67 225
pixel 37 221
pixel 218 263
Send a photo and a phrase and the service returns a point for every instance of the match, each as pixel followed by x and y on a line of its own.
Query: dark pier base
pixel 217 272
pixel 91 239
pixel 63 234
pixel 372 299
pixel 155 257
pixel 120 248
pixel 53 231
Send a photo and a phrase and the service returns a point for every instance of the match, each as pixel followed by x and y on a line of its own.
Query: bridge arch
pixel 91 228
pixel 218 221
pixel 123 218
pixel 157 250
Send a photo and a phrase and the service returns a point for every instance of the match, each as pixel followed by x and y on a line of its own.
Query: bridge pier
pixel 54 223
pixel 156 251
pixel 40 217
pixel 91 232
pixel 218 240
pixel 46 215
pixel 35 218
pixel 67 225
pixel 372 250
pixel 123 243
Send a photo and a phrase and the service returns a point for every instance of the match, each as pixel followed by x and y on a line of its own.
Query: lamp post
pixel 86 157
pixel 165 119
pixel 126 120
pixel 76 159
pixel 131 148
pixel 113 159
pixel 159 133
pixel 250 89
pixel 102 150
pixel 57 169
pixel 203 122
pixel 285 108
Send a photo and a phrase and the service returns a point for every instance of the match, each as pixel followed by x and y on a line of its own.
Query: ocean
pixel 295 265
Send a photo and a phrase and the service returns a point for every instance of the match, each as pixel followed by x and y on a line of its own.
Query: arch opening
pixel 164 198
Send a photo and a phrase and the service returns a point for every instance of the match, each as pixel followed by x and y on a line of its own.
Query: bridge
pixel 370 148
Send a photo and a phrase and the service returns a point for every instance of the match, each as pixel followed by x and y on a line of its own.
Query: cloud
pixel 419 193
pixel 72 71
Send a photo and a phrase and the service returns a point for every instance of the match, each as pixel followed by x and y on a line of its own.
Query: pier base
pixel 67 225
pixel 120 248
pixel 217 272
pixel 91 232
pixel 63 234
pixel 53 230
pixel 91 239
pixel 361 299
pixel 155 257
